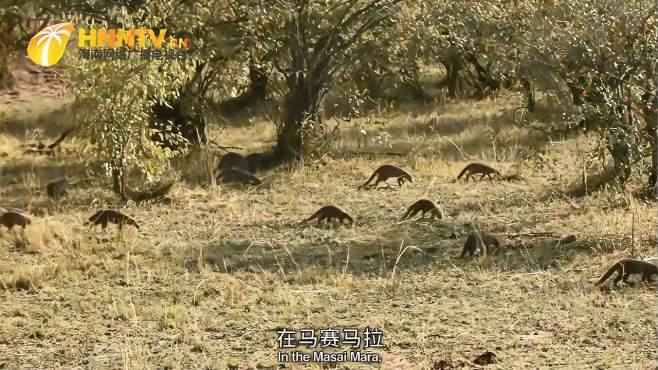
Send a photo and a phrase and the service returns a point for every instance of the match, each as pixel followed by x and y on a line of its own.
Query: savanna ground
pixel 206 280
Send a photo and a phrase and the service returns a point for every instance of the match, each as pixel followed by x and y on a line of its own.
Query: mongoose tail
pixel 612 270
pixel 463 172
pixel 408 213
pixel 313 217
pixel 93 217
pixel 374 174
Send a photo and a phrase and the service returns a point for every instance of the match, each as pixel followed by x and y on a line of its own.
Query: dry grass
pixel 205 281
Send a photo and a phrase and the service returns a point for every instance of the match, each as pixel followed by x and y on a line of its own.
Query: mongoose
pixel 11 219
pixel 232 160
pixel 475 240
pixel 627 267
pixel 57 188
pixel 105 216
pixel 387 171
pixel 478 168
pixel 329 212
pixel 240 176
pixel 254 161
pixel 423 205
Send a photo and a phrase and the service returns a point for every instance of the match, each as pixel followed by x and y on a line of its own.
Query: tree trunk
pixel 453 66
pixel 118 182
pixel 300 109
pixel 653 173
pixel 6 78
pixel 530 94
pixel 621 152
pixel 651 128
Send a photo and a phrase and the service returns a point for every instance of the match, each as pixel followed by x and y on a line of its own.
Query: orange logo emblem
pixel 47 47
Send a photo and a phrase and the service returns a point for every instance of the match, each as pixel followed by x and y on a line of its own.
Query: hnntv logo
pixel 48 46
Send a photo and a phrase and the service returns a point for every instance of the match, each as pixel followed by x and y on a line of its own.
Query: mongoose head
pixel 402 178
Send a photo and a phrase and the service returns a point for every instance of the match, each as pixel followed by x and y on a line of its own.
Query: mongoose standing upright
pixel 328 212
pixel 255 161
pixel 387 171
pixel 423 205
pixel 478 168
pixel 232 160
pixel 57 188
pixel 480 240
pixel 105 216
pixel 11 219
pixel 236 175
pixel 626 267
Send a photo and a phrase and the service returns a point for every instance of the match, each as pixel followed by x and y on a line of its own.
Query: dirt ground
pixel 206 281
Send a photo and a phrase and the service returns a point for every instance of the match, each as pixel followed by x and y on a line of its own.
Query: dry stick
pixel 225 148
pixel 347 260
pixel 453 143
pixel 200 261
pixel 206 154
pixel 127 268
pixel 251 243
pixel 196 289
pixel 292 258
pixel 585 177
pixel 400 256
pixel 427 190
pixel 383 257
pixel 633 235
pixel 224 263
pixel 276 259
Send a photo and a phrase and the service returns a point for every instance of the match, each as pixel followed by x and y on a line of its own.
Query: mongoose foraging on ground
pixel 232 160
pixel 423 205
pixel 255 161
pixel 236 175
pixel 105 216
pixel 478 168
pixel 387 171
pixel 11 219
pixel 329 212
pixel 480 240
pixel 626 267
pixel 57 188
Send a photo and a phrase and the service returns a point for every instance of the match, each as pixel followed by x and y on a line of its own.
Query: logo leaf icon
pixel 47 47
